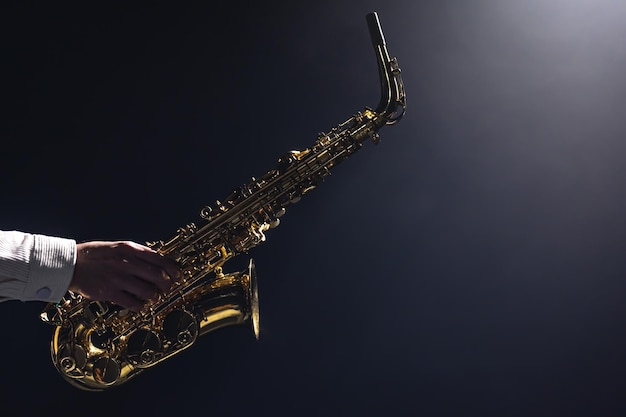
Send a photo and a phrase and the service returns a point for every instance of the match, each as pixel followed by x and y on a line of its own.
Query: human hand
pixel 125 273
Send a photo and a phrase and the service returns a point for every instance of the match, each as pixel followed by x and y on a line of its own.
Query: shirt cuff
pixel 51 268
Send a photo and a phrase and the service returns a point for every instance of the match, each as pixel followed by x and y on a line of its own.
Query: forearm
pixel 35 267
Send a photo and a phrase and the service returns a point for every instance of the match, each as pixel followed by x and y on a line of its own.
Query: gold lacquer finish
pixel 98 345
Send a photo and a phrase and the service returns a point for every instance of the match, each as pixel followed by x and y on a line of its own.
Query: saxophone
pixel 99 345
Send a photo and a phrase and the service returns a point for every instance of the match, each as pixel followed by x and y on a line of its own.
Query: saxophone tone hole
pixel 102 341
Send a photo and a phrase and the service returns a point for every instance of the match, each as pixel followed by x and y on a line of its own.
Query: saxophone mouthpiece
pixel 376 32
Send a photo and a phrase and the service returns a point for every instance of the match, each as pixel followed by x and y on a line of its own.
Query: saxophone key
pixel 180 328
pixel 106 370
pixel 144 348
pixel 205 212
pixel 73 361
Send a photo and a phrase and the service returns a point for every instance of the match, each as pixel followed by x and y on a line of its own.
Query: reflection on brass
pixel 99 345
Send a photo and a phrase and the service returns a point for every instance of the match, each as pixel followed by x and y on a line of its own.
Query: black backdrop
pixel 471 264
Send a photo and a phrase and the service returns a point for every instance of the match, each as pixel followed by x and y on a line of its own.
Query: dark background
pixel 471 264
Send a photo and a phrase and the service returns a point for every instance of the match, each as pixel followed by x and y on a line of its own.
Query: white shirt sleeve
pixel 35 267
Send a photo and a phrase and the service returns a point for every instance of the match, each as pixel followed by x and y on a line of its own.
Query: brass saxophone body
pixel 98 345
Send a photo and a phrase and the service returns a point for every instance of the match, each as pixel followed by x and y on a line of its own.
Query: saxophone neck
pixel 392 103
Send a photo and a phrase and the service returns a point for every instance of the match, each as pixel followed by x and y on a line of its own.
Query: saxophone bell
pixel 234 300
